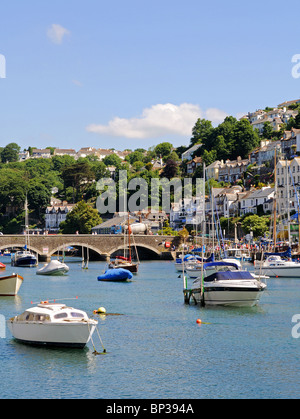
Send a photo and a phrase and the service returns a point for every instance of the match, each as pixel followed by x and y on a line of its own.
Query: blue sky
pixel 129 74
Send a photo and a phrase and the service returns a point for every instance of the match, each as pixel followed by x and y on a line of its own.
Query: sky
pixel 132 74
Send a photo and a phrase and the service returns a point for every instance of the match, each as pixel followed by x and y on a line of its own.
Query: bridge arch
pixel 141 247
pixel 21 246
pixel 77 244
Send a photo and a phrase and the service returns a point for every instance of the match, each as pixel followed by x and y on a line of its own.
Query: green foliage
pixel 230 139
pixel 112 160
pixel 167 230
pixel 163 149
pixel 82 218
pixel 10 153
pixel 259 225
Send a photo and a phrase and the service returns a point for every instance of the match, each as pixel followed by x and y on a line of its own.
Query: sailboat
pixel 124 261
pixel 24 258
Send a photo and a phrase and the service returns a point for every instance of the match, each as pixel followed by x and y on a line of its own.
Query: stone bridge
pixel 103 245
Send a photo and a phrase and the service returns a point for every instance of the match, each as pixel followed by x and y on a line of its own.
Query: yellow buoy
pixel 101 310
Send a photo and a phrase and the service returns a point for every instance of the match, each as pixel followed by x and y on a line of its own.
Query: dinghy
pixel 53 268
pixel 116 275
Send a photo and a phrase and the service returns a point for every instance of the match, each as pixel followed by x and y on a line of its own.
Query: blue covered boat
pixel 116 275
pixel 223 283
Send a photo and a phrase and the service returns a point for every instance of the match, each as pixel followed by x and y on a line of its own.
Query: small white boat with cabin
pixel 242 255
pixel 53 324
pixel 227 286
pixel 276 266
pixel 10 285
pixel 54 268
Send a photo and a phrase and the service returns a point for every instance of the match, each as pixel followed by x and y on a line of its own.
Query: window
pixel 61 316
pixel 80 315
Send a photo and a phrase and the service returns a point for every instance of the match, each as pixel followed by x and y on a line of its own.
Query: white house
pixel 254 198
pixel 188 154
pixel 41 154
pixel 55 214
pixel 65 152
pixel 189 211
pixel 265 152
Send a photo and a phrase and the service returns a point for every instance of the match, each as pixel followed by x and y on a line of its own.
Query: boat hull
pixel 55 272
pixel 236 295
pixel 10 285
pixel 282 272
pixel 54 268
pixel 25 262
pixel 73 335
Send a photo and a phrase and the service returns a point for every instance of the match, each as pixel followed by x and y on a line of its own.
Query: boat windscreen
pixel 221 276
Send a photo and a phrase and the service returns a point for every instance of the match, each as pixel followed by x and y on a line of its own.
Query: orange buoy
pixel 199 321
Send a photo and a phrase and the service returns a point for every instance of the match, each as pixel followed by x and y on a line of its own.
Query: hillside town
pixel 239 186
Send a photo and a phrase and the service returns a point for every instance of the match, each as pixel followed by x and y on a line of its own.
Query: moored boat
pixel 116 275
pixel 2 266
pixel 276 266
pixel 24 259
pixel 10 285
pixel 53 268
pixel 53 324
pixel 227 286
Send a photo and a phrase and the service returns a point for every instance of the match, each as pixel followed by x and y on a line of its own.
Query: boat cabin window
pixel 80 315
pixel 61 316
pixel 31 317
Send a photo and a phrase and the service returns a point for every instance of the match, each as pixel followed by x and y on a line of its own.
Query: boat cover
pixel 118 274
pixel 210 264
pixel 221 276
pixel 286 254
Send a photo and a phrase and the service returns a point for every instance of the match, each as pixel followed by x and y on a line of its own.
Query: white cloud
pixel 159 120
pixel 56 33
pixel 77 83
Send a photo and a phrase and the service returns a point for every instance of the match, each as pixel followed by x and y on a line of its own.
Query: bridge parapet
pixel 104 245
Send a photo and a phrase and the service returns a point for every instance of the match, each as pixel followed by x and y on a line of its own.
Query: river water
pixel 155 348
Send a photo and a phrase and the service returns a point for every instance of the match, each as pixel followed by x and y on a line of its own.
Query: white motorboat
pixel 24 259
pixel 227 286
pixel 276 266
pixel 10 285
pixel 54 268
pixel 53 324
pixel 194 271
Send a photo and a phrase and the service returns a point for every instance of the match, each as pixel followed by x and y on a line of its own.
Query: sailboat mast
pixel 288 200
pixel 203 232
pixel 129 244
pixel 275 198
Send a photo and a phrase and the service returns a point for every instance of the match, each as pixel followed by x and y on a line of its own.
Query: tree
pixel 267 130
pixel 79 176
pixel 135 156
pixel 202 132
pixel 259 225
pixel 170 170
pixel 112 160
pixel 10 153
pixel 163 149
pixel 297 121
pixel 245 139
pixel 82 219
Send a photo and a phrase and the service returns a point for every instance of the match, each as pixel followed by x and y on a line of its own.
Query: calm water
pixel 155 349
